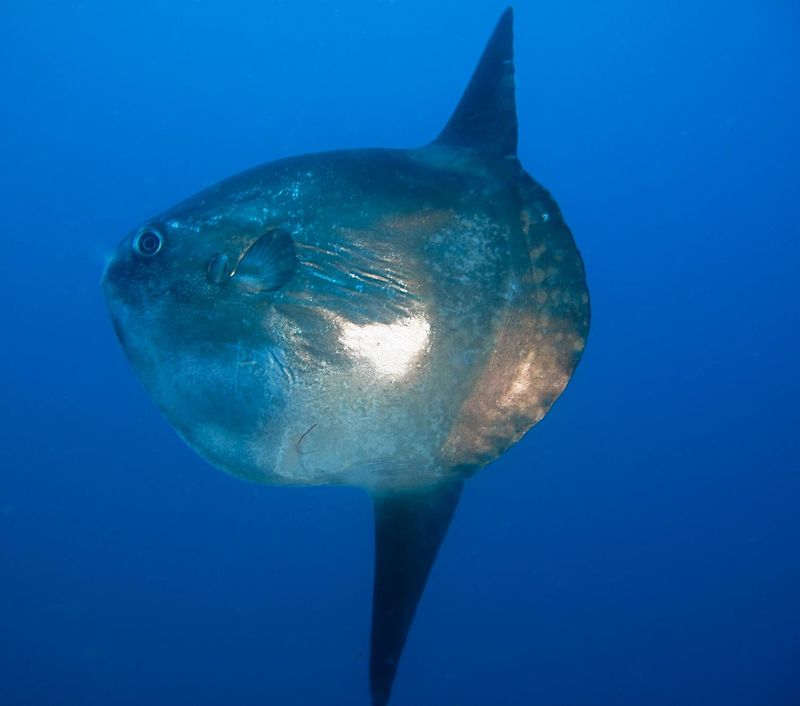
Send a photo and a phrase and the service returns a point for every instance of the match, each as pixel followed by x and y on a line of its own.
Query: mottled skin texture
pixel 438 310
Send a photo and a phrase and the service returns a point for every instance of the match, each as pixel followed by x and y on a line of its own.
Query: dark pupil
pixel 148 243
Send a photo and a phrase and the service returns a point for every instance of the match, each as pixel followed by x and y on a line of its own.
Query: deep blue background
pixel 640 546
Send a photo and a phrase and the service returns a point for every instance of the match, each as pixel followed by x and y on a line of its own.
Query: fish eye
pixel 148 242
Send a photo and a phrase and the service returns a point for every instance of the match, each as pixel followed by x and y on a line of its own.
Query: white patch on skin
pixel 389 348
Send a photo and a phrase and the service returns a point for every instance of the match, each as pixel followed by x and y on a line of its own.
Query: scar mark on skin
pixel 304 435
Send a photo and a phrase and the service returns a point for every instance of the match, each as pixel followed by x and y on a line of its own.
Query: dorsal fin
pixel 485 118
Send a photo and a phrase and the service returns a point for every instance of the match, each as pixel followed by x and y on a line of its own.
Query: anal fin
pixel 409 527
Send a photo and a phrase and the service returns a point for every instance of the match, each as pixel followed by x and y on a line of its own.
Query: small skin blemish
pixel 304 435
pixel 525 219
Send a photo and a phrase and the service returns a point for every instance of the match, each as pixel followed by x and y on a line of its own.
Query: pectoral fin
pixel 267 264
pixel 409 527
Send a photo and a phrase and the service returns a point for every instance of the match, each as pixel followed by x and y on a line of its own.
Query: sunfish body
pixel 389 319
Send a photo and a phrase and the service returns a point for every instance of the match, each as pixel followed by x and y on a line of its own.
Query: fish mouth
pixel 110 295
pixel 105 282
pixel 112 263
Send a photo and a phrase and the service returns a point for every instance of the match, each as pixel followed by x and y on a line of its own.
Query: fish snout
pixel 112 274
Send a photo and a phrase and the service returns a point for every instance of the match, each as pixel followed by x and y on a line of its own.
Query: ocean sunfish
pixel 392 319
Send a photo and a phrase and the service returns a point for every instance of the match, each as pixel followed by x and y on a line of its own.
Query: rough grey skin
pixel 431 308
pixel 437 312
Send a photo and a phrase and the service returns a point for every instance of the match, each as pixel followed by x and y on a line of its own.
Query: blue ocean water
pixel 640 546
